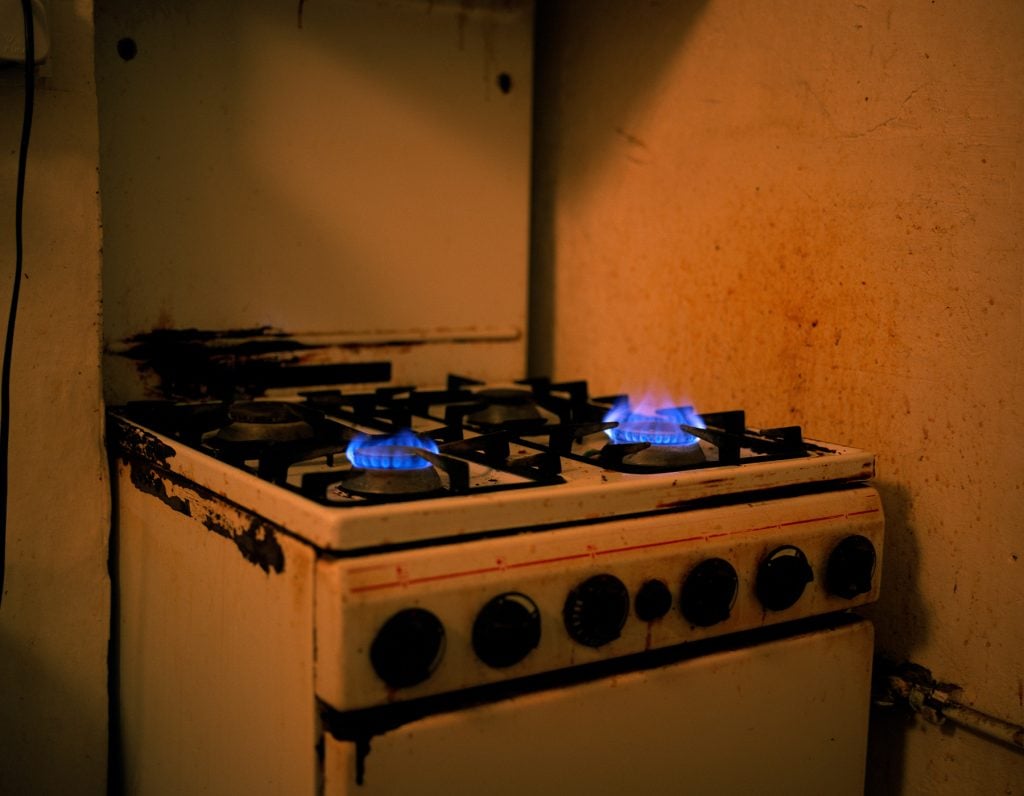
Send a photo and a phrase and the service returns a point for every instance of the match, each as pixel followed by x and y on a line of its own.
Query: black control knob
pixel 506 629
pixel 596 610
pixel 652 601
pixel 407 648
pixel 782 577
pixel 709 592
pixel 851 565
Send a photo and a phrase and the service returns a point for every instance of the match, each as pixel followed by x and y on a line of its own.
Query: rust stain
pixel 200 363
pixel 255 538
pixel 134 441
pixel 257 542
pixel 146 480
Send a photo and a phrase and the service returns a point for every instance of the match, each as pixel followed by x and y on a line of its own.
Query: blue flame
pixel 647 423
pixel 391 452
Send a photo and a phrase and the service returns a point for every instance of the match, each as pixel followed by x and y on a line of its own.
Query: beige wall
pixel 813 211
pixel 54 618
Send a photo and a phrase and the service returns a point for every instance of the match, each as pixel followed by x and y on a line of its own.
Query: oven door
pixel 787 715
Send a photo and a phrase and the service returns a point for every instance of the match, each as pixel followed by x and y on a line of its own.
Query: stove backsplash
pixel 328 185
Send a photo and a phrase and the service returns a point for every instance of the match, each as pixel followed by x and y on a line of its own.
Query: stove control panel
pixel 402 625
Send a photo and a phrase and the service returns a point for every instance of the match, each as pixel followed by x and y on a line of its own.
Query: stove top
pixel 503 456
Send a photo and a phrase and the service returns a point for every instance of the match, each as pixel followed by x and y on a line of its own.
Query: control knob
pixel 408 647
pixel 851 565
pixel 652 601
pixel 596 610
pixel 709 592
pixel 506 629
pixel 782 577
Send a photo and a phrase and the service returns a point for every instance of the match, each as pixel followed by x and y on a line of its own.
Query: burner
pixel 403 450
pixel 654 430
pixel 392 465
pixel 652 440
pixel 505 405
pixel 264 421
pixel 662 457
pixel 391 483
pixel 660 427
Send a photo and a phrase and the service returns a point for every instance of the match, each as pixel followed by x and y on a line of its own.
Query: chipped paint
pixel 256 542
pixel 196 363
pixel 137 442
pixel 146 480
pixel 255 537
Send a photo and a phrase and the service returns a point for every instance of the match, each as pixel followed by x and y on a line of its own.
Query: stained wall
pixel 814 212
pixel 54 619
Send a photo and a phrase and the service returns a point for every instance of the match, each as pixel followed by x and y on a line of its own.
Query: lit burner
pixel 392 452
pixel 654 426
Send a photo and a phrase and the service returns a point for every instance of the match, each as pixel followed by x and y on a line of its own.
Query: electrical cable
pixel 19 204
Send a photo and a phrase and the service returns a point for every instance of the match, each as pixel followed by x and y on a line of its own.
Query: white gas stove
pixel 474 545
pixel 498 588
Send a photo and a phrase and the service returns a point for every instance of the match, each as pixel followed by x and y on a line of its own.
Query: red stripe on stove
pixel 375 586
pixel 446 575
pixel 814 519
pixel 648 545
pixel 547 560
pixel 590 554
pixel 424 579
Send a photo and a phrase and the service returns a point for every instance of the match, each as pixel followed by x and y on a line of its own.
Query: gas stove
pixel 474 450
pixel 476 533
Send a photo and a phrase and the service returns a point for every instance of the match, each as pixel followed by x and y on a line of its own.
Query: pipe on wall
pixel 912 686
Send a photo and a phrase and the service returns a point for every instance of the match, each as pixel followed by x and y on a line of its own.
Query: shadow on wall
pixel 34 760
pixel 626 47
pixel 901 591
pixel 900 597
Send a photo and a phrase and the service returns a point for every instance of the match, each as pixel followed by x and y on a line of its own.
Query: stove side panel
pixel 215 649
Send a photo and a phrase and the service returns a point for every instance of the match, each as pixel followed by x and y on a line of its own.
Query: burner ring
pixel 264 421
pixel 655 431
pixel 666 457
pixel 390 483
pixel 263 412
pixel 505 405
pixel 388 457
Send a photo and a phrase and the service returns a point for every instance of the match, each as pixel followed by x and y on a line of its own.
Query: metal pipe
pixel 913 686
pixel 1004 731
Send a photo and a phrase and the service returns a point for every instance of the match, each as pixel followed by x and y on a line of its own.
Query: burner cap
pixel 506 396
pixel 504 405
pixel 263 412
pixel 391 483
pixel 666 457
pixel 264 421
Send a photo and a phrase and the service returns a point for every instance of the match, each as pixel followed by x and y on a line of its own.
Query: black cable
pixel 19 203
